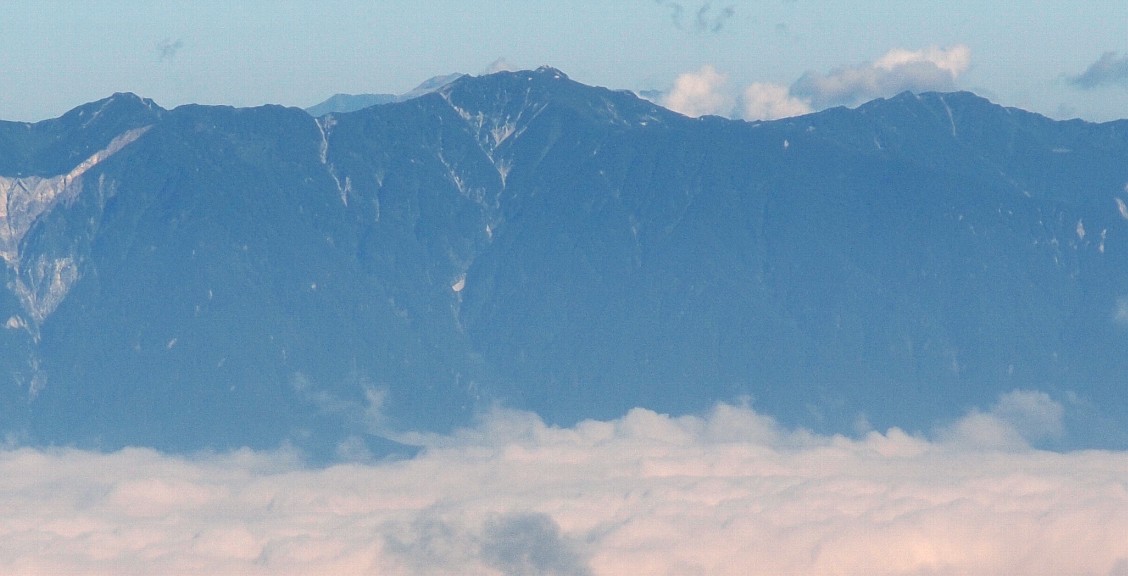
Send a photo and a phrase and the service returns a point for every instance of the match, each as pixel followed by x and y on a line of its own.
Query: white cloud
pixel 898 70
pixel 700 93
pixel 761 101
pixel 954 60
pixel 725 493
pixel 705 91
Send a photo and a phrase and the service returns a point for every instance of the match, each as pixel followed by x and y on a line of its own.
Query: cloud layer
pixel 730 492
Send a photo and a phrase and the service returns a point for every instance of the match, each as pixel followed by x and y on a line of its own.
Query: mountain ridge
pixel 256 276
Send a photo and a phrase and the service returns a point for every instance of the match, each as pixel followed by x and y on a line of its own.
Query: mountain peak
pixel 554 72
pixel 55 146
pixel 546 86
pixel 114 105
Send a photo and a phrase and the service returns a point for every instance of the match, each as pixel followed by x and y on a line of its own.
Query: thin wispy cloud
pixel 168 48
pixel 727 492
pixel 500 65
pixel 702 19
pixel 1109 69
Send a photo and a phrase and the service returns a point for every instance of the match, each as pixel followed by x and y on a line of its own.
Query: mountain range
pixel 210 277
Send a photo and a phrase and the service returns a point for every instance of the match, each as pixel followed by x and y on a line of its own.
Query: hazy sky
pixel 743 58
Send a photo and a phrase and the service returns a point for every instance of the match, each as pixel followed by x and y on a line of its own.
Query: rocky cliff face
pixel 41 281
pixel 215 277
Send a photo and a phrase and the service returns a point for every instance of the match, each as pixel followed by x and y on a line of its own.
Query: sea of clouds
pixel 727 492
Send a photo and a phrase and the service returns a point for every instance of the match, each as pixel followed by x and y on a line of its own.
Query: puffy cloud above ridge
pixel 763 101
pixel 898 70
pixel 705 91
pixel 700 93
pixel 720 493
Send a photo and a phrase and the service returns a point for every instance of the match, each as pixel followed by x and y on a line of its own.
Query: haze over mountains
pixel 216 277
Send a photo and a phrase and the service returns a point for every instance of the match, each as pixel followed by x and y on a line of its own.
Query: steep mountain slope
pixel 216 277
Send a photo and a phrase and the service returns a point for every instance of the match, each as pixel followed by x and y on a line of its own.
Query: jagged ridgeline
pixel 210 277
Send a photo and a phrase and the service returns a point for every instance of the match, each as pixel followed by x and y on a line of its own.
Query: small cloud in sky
pixel 762 101
pixel 724 492
pixel 704 18
pixel 700 93
pixel 168 48
pixel 1109 69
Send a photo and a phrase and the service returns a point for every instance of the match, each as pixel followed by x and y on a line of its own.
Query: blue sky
pixel 1060 59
